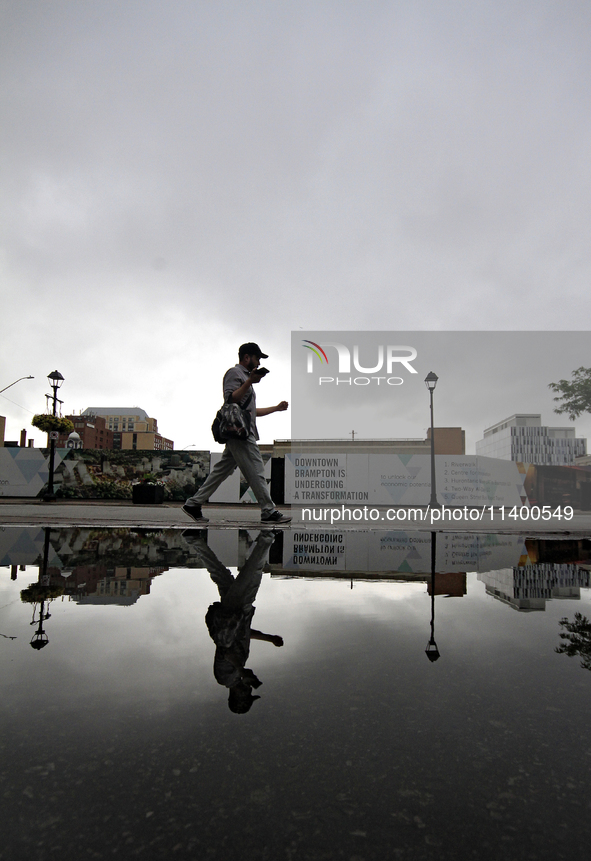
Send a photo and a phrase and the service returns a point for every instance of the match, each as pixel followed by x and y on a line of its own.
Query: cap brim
pixel 263 356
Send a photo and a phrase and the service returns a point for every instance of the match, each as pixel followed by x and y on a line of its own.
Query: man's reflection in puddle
pixel 229 620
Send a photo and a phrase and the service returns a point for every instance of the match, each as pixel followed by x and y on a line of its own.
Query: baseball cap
pixel 251 349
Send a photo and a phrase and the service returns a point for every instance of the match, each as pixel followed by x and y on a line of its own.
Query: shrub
pixel 47 423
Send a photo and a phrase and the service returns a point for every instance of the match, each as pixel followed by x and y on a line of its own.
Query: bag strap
pixel 228 400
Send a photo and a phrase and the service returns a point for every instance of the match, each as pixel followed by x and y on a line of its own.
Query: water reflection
pixel 40 595
pixel 432 651
pixel 367 554
pixel 229 620
pixel 577 637
pixel 103 567
pixel 117 566
pixel 118 738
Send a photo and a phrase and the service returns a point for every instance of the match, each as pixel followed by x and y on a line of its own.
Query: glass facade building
pixel 523 438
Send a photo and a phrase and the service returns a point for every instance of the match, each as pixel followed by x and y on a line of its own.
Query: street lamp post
pixel 40 639
pixel 432 651
pixel 431 382
pixel 15 382
pixel 55 381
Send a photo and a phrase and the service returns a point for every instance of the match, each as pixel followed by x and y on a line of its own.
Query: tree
pixel 578 639
pixel 575 394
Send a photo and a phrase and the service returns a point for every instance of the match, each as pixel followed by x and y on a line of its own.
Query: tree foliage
pixel 37 592
pixel 577 639
pixel 47 423
pixel 575 394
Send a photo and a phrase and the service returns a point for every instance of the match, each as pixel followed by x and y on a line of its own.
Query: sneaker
pixel 195 534
pixel 275 517
pixel 194 511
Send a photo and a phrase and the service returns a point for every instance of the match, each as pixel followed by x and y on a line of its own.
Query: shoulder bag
pixel 232 421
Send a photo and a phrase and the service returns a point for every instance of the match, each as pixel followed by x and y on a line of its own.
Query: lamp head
pixel 55 379
pixel 431 381
pixel 432 651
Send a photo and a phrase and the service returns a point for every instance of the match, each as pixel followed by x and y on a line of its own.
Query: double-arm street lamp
pixel 55 381
pixel 431 382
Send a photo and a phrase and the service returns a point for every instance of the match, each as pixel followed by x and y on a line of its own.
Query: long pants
pixel 240 591
pixel 246 455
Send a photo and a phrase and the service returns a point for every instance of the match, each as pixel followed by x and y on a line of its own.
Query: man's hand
pixel 240 393
pixel 266 411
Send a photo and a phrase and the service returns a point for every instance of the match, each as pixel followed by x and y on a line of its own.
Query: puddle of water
pixel 360 712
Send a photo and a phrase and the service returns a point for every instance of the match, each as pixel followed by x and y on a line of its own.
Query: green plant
pixel 575 394
pixel 577 639
pixel 47 423
pixel 150 478
pixel 69 493
pixel 40 592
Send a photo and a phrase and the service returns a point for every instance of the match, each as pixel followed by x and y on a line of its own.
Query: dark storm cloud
pixel 260 167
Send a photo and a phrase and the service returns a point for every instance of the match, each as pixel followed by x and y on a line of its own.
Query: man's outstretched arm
pixel 265 411
pixel 268 638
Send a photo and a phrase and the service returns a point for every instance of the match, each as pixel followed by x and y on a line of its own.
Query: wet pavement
pixel 401 694
pixel 236 516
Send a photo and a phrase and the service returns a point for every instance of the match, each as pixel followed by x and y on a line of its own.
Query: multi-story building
pixel 132 428
pixel 529 587
pixel 524 439
pixel 92 430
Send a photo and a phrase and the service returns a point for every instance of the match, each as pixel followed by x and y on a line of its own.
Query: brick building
pixel 92 430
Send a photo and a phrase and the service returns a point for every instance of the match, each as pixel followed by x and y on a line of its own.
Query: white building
pixel 523 438
pixel 529 587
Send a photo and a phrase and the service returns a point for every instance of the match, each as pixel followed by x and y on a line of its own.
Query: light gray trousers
pixel 246 455
pixel 240 591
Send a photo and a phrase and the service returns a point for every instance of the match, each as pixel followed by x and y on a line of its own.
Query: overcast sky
pixel 484 377
pixel 181 177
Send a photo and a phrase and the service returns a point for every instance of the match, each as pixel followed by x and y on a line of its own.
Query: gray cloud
pixel 179 178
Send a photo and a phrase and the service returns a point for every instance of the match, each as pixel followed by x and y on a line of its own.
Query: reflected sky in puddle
pixel 117 738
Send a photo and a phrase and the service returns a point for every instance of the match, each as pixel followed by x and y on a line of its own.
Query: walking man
pixel 245 454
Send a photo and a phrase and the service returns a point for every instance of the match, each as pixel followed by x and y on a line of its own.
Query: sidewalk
pixel 122 514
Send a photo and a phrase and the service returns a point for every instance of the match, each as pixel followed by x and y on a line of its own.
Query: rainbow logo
pixel 317 349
